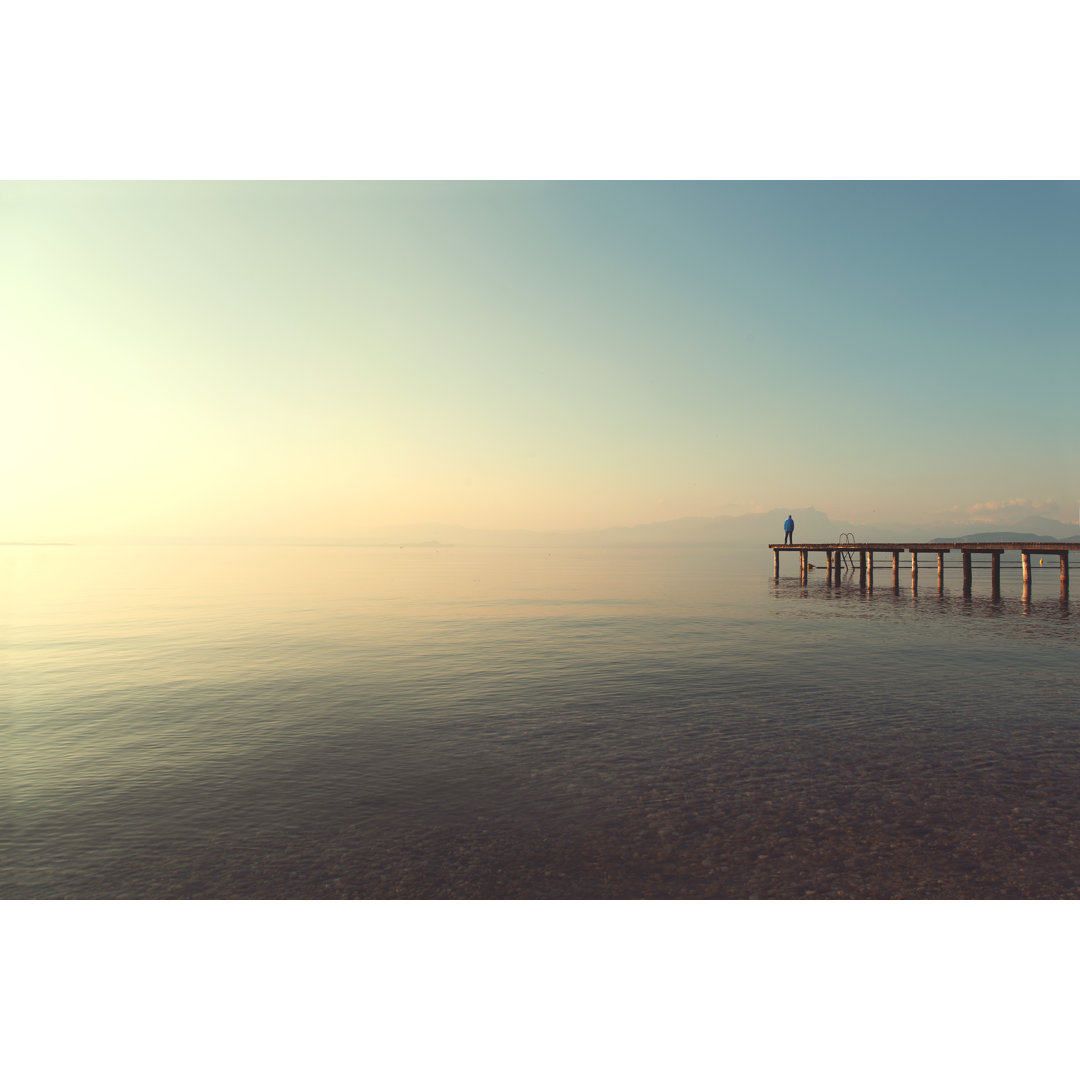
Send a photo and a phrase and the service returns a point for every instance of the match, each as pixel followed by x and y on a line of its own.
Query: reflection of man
pixel 789 530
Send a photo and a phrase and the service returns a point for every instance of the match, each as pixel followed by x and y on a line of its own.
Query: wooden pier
pixel 836 553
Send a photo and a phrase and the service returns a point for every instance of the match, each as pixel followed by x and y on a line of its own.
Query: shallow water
pixel 486 723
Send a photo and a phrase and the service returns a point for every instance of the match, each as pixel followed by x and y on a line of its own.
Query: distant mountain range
pixel 743 530
pixel 1004 537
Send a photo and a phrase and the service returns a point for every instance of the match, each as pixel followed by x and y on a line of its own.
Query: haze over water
pixel 485 723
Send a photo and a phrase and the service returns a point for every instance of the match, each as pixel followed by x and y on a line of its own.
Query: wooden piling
pixel 836 554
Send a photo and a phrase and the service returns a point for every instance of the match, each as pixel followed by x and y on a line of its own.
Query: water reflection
pixel 1050 615
pixel 470 723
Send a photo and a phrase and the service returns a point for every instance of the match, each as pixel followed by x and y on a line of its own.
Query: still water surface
pixel 196 722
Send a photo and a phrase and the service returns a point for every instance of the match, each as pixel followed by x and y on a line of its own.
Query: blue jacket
pixel 789 525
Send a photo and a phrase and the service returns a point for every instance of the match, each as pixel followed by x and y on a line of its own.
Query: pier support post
pixel 836 557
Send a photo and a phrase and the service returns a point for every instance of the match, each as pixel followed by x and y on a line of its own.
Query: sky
pixel 314 360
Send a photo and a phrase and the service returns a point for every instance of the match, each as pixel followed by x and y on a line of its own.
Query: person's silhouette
pixel 789 530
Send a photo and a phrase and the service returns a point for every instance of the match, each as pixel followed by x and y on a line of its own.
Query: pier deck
pixel 836 552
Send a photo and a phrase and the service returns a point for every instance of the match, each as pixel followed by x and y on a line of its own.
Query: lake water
pixel 306 722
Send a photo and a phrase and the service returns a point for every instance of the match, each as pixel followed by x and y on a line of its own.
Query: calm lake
pixel 336 722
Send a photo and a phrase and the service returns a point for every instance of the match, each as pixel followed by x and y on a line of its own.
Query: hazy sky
pixel 318 359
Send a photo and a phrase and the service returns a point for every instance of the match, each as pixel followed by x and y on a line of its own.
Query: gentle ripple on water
pixel 348 722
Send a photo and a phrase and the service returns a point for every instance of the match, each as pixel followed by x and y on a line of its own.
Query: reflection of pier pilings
pixel 835 553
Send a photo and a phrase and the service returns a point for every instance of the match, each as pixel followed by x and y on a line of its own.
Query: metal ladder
pixel 846 557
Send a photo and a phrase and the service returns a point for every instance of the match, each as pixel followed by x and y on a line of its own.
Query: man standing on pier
pixel 789 530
